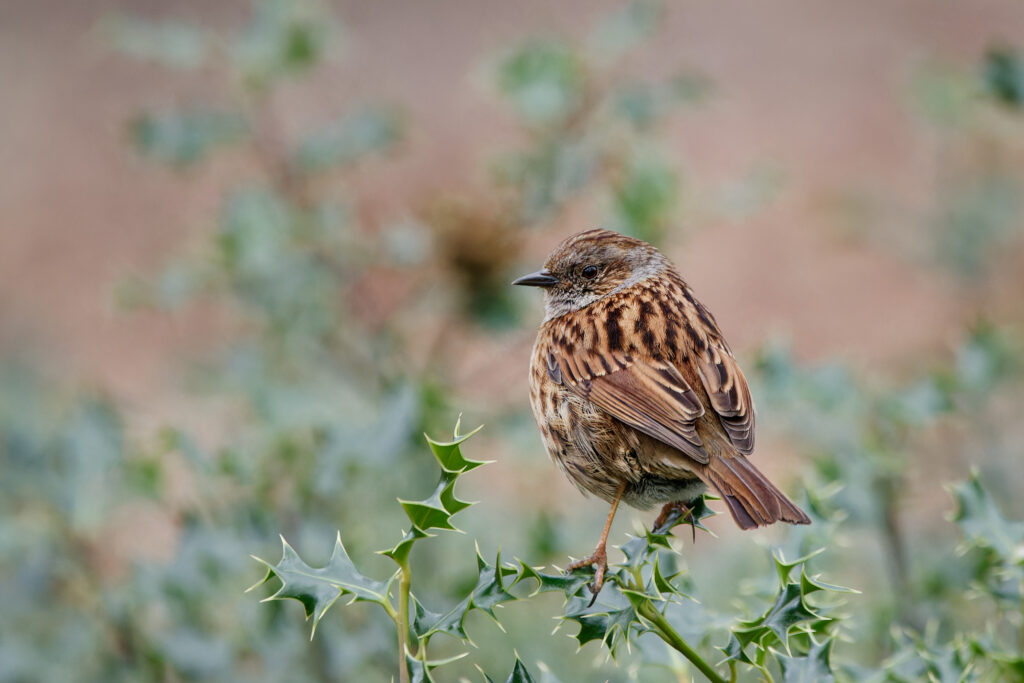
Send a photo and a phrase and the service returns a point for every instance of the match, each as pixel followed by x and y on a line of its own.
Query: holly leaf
pixel 319 588
pixel 611 627
pixel 436 510
pixel 488 593
pixel 568 584
pixel 449 455
pixel 790 614
pixel 519 673
pixel 813 667
pixel 981 522
pixel 400 552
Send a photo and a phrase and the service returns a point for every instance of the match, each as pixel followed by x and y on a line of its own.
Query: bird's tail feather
pixel 752 499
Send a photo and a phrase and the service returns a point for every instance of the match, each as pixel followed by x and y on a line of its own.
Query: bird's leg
pixel 664 519
pixel 600 556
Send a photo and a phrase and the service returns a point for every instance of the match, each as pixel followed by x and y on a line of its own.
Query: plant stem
pixel 676 642
pixel 404 582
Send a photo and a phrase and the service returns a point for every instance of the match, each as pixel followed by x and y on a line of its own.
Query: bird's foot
pixel 599 560
pixel 672 512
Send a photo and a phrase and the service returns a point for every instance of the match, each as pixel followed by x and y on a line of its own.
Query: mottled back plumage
pixel 636 392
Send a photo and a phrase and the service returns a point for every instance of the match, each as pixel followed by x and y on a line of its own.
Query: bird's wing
pixel 649 395
pixel 728 392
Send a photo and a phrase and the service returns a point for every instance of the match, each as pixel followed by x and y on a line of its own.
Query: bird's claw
pixel 599 560
pixel 671 513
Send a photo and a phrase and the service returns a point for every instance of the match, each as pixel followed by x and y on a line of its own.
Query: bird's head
pixel 590 266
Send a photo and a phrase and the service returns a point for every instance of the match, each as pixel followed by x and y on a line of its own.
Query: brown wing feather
pixel 728 393
pixel 650 396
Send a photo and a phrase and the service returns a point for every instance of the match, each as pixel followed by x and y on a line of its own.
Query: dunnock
pixel 637 395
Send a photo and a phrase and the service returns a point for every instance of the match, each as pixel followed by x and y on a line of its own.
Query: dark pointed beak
pixel 542 278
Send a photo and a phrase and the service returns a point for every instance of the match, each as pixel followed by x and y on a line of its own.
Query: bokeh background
pixel 249 253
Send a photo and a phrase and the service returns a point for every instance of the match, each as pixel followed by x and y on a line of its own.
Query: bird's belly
pixel 600 454
pixel 652 490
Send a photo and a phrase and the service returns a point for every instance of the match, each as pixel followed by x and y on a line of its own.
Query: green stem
pixel 676 642
pixel 404 582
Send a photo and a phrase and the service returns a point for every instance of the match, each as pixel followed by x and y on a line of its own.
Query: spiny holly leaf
pixel 923 657
pixel 490 589
pixel 488 593
pixel 982 523
pixel 519 673
pixel 640 550
pixel 789 610
pixel 400 553
pixel 637 582
pixel 784 569
pixel 419 670
pixel 435 511
pixel 427 623
pixel 611 627
pixel 449 455
pixel 813 667
pixel 318 588
pixel 568 584
pixel 790 614
pixel 665 584
pixel 987 649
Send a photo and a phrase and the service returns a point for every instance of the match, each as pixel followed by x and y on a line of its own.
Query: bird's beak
pixel 542 278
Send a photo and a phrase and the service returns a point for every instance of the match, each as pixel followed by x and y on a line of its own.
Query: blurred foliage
pixel 1003 76
pixel 123 553
pixel 592 136
pixel 592 133
pixel 974 220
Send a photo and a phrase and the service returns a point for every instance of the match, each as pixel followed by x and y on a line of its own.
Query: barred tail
pixel 752 499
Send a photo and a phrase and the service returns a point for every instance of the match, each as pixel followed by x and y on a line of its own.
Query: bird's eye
pixel 590 272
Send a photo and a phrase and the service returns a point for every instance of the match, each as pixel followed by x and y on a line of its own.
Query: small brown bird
pixel 635 391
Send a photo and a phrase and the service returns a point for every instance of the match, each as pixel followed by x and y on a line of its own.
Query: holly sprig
pixel 645 593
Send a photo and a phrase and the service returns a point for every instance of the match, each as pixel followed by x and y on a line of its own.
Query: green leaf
pixel 400 553
pixel 981 522
pixel 519 673
pixel 427 623
pixel 790 614
pixel 1003 76
pixel 318 588
pixel 814 667
pixel 431 512
pixel 419 672
pixel 789 610
pixel 664 585
pixel 184 137
pixel 611 627
pixel 449 455
pixel 488 593
pixel 435 511
pixel 544 80
pixel 283 39
pixel 567 584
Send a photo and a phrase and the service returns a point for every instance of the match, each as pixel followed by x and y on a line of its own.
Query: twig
pixel 667 633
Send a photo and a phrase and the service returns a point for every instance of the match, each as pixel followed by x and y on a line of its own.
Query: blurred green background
pixel 250 252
